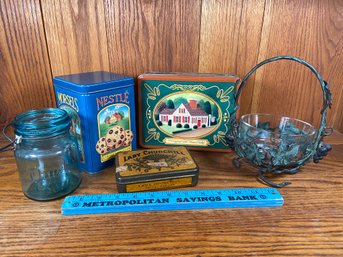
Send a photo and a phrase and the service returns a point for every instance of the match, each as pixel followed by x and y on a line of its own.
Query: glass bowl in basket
pixel 277 144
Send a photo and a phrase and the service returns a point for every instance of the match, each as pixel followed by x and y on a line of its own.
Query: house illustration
pixel 187 113
pixel 113 118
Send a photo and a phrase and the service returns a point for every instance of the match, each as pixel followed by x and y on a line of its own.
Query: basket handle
pixel 327 96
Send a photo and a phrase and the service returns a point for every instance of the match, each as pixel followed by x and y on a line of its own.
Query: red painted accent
pixel 193 104
pixel 199 123
pixel 183 119
pixel 167 118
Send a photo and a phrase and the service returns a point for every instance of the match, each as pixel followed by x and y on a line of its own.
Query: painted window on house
pixel 182 110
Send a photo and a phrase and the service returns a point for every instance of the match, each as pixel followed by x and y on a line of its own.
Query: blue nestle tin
pixel 102 107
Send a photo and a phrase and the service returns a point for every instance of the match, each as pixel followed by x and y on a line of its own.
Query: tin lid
pixel 181 76
pixel 88 82
pixel 151 164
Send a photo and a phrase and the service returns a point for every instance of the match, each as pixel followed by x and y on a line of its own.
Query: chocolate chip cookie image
pixel 101 146
pixel 115 137
pixel 128 138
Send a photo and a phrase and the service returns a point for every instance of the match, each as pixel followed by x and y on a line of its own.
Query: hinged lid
pixel 89 82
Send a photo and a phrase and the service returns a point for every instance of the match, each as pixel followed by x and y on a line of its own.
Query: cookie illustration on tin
pixel 128 138
pixel 101 146
pixel 115 137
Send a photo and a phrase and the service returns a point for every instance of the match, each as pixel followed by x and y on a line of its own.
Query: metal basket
pixel 276 144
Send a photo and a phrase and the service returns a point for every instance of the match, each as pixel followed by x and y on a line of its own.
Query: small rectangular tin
pixel 188 109
pixel 155 169
pixel 99 103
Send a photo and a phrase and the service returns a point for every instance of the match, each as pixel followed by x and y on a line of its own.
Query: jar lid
pixel 40 123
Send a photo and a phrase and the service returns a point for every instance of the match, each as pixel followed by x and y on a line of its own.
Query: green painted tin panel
pixel 190 113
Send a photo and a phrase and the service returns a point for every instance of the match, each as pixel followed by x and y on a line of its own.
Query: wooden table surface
pixel 310 223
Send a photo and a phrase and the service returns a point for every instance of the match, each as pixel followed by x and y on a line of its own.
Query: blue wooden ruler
pixel 172 200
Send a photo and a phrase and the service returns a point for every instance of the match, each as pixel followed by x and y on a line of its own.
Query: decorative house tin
pixel 185 109
pixel 155 169
pixel 102 108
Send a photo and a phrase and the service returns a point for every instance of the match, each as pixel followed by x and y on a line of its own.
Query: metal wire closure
pixel 17 140
pixel 9 146
pixel 321 149
pixel 36 125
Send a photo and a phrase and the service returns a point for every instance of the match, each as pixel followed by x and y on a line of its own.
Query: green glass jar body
pixel 46 154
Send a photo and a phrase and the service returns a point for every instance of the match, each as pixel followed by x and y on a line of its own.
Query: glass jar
pixel 46 154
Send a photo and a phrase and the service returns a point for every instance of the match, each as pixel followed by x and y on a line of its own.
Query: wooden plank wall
pixel 40 39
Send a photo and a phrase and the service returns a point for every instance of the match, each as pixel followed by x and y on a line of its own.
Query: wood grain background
pixel 40 39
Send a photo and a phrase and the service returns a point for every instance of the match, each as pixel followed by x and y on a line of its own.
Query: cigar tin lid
pixel 154 164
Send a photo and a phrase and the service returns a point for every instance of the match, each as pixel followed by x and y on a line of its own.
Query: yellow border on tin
pixel 106 157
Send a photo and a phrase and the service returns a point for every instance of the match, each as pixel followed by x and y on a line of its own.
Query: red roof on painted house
pixel 167 111
pixel 193 112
